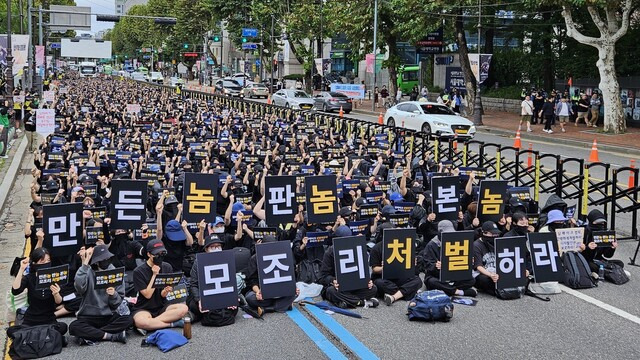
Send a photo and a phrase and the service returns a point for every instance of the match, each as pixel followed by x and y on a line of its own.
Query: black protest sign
pixel 281 203
pixel 491 200
pixel 315 239
pixel 178 295
pixel 400 220
pixel 510 261
pixel 456 256
pixel 217 279
pixel 199 197
pixel 62 226
pixel 109 278
pixel 444 197
pixel 169 279
pixel 128 202
pixel 261 233
pixel 98 213
pixel 52 275
pixel 351 262
pixel 545 257
pixel 322 204
pixel 604 238
pixel 358 227
pixel 276 269
pixel 150 234
pixel 398 253
pixel 368 211
pixel 94 233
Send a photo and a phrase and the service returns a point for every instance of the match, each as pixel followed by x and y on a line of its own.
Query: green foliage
pixel 509 92
pixel 293 77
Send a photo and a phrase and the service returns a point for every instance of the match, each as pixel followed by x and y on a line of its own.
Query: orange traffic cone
pixel 269 99
pixel 594 152
pixel 517 144
pixel 455 142
pixel 530 157
pixel 632 174
pixel 341 113
pixel 380 119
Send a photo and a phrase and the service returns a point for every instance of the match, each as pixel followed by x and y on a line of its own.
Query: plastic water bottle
pixel 601 273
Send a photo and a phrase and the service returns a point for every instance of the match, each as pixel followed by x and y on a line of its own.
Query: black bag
pixel 577 274
pixel 309 271
pixel 613 272
pixel 35 342
pixel 510 293
pixel 220 317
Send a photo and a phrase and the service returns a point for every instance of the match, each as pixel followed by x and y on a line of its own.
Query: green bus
pixel 408 77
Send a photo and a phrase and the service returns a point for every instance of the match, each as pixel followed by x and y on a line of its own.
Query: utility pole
pixel 321 48
pixel 30 72
pixel 477 105
pixel 271 55
pixel 375 50
pixel 221 52
pixel 21 17
pixel 9 70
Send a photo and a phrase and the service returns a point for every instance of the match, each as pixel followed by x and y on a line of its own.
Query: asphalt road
pixel 596 323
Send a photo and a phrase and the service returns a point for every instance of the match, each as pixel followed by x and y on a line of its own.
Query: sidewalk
pixel 504 123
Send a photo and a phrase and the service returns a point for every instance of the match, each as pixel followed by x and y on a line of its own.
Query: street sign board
pixel 249 32
pixel 432 43
pixel 249 46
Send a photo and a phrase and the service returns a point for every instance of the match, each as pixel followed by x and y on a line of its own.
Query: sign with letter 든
pixel 199 197
pixel 52 275
pixel 351 262
pixel 280 204
pixel 62 226
pixel 276 269
pixel 510 261
pixel 109 278
pixel 128 200
pixel 217 279
pixel 322 204
pixel 545 257
pixel 398 253
pixel 491 200
pixel 456 255
pixel 445 198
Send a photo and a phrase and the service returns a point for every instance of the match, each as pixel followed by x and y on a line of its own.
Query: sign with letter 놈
pixel 276 269
pixel 52 275
pixel 491 200
pixel 199 197
pixel 128 202
pixel 322 199
pixel 280 199
pixel 545 257
pixel 351 262
pixel 510 261
pixel 62 226
pixel 217 279
pixel 109 278
pixel 398 253
pixel 444 197
pixel 455 256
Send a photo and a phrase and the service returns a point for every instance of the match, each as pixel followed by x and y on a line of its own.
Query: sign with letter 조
pixel 276 269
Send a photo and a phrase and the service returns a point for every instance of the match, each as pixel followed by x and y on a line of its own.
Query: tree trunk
pixel 393 70
pixel 614 121
pixel 463 53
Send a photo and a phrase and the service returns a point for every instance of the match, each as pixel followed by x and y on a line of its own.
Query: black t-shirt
pixel 175 252
pixel 375 259
pixel 42 305
pixel 141 277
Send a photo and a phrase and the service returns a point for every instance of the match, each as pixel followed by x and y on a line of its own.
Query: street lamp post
pixel 477 105
pixel 9 70
pixel 271 54
pixel 375 49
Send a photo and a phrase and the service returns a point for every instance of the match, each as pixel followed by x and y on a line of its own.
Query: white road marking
pixel 600 304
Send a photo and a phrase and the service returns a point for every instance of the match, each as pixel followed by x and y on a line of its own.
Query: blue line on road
pixel 343 334
pixel 315 335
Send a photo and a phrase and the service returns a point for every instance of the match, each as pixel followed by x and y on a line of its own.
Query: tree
pixel 612 27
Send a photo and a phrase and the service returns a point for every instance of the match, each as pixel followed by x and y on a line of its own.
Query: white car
pixel 138 76
pixel 156 77
pixel 295 99
pixel 430 118
pixel 175 81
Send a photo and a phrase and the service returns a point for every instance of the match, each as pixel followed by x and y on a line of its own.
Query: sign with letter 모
pixel 217 279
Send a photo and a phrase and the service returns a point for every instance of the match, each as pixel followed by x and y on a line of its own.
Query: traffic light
pixel 244 40
pixel 108 18
pixel 165 21
pixel 215 38
pixel 186 46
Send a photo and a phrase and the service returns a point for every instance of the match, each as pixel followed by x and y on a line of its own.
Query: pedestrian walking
pixel 526 113
pixel 595 110
pixel 547 113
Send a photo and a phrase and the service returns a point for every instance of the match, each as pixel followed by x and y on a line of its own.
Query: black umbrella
pixel 326 306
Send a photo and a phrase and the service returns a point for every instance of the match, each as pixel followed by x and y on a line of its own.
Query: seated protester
pixel 343 299
pixel 42 302
pixel 177 240
pixel 392 290
pixel 151 311
pixel 469 220
pixel 99 318
pixel 593 253
pixel 385 218
pixel 484 258
pixel 220 317
pixel 519 225
pixel 555 219
pixel 432 264
pixel 254 295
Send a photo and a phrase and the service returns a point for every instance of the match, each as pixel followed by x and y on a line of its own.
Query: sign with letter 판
pixel 398 253
pixel 109 278
pixel 280 203
pixel 444 197
pixel 52 275
pixel 276 269
pixel 545 258
pixel 510 261
pixel 491 200
pixel 455 256
pixel 351 262
pixel 322 199
pixel 199 197
pixel 217 279
pixel 128 204
pixel 62 226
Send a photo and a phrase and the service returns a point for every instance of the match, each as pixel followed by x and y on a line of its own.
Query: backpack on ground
pixel 309 271
pixel 577 274
pixel 430 305
pixel 35 342
pixel 220 317
pixel 510 293
pixel 613 272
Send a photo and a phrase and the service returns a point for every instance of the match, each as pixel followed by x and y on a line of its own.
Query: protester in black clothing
pixel 548 113
pixel 391 290
pixel 484 258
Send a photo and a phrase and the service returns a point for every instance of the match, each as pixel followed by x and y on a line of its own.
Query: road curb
pixel 12 172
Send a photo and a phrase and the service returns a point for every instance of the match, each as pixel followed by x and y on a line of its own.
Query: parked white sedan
pixel 430 118
pixel 295 99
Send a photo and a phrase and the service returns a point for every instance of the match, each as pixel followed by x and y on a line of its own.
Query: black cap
pixel 100 252
pixel 156 247
pixel 213 239
pixel 490 227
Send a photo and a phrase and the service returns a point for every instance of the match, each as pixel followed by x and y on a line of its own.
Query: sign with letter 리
pixel 351 262
pixel 456 255
pixel 276 269
pixel 62 226
pixel 398 253
pixel 217 279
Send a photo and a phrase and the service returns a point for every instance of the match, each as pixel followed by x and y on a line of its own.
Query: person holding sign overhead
pixel 42 302
pixel 100 317
pixel 151 311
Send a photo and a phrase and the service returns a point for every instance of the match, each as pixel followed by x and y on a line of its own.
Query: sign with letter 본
pixel 45 121
pixel 351 262
pixel 199 197
pixel 276 269
pixel 456 255
pixel 217 279
pixel 398 253
pixel 445 197
pixel 62 226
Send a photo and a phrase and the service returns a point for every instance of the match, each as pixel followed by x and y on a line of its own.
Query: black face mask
pixel 104 264
pixel 488 240
pixel 35 267
pixel 122 237
pixel 158 259
pixel 521 230
pixel 599 227
pixel 554 226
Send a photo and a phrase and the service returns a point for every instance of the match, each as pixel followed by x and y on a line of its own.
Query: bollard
pixel 530 157
pixel 631 174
